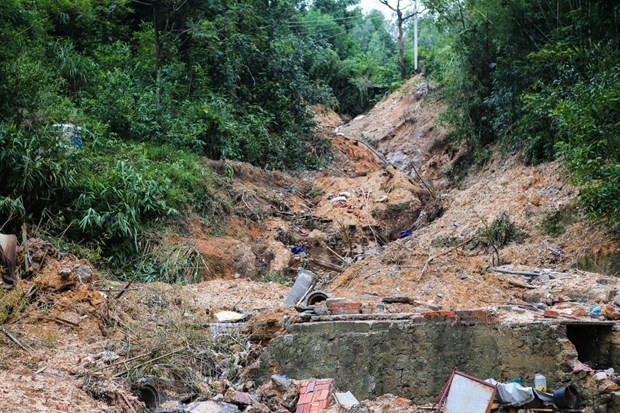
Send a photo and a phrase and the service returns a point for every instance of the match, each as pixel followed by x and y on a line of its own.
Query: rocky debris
pixel 230 317
pixel 279 393
pixel 211 407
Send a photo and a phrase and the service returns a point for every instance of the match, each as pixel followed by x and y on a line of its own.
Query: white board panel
pixel 467 395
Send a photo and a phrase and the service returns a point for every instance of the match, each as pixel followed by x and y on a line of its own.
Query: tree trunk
pixel 157 58
pixel 401 46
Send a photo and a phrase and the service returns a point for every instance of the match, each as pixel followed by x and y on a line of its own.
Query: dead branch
pixel 15 340
pixel 525 273
pixel 122 373
pixel 431 258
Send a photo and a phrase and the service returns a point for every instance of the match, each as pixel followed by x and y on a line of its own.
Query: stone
pixel 229 317
pixel 602 294
pixel 617 301
pixel 543 278
pixel 608 386
pixel 610 312
pixel 242 398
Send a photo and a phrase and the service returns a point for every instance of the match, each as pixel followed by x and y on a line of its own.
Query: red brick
pixel 325 386
pixel 307 408
pixel 447 313
pixel 452 318
pixel 431 313
pixel 551 314
pixel 314 408
pixel 323 395
pixel 402 400
pixel 479 312
pixel 302 390
pixel 323 404
pixel 305 398
pixel 300 408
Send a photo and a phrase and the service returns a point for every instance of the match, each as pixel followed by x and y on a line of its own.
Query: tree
pixel 404 13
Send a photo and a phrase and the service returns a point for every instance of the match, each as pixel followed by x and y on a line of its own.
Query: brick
pixel 551 314
pixel 402 400
pixel 479 312
pixel 323 404
pixel 325 386
pixel 323 395
pixel 314 407
pixel 300 409
pixel 305 398
pixel 307 408
pixel 324 381
pixel 448 313
pixel 311 386
pixel 452 318
pixel 303 389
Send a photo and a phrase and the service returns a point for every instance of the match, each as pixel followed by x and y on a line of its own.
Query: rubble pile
pixel 378 250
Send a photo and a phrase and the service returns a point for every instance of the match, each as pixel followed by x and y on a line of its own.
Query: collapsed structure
pixel 412 277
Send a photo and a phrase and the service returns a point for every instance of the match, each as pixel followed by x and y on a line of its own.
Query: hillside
pixel 85 343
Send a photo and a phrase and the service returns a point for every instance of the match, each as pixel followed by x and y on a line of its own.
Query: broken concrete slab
pixel 346 400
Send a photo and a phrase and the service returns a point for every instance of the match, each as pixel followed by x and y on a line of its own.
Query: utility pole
pixel 401 17
pixel 415 37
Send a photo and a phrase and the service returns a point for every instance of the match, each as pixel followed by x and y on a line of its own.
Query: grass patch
pixel 273 276
pixel 555 223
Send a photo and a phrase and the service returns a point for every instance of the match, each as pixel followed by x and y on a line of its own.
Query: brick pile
pixel 464 317
pixel 314 395
pixel 343 307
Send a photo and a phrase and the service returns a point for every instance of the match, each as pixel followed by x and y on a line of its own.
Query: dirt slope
pixel 80 341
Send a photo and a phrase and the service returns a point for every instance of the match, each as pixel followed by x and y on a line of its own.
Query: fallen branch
pixel 63 321
pixel 525 273
pixel 431 258
pixel 337 255
pixel 127 403
pixel 120 294
pixel 15 340
pixel 122 373
pixel 139 356
pixel 520 284
pixel 326 265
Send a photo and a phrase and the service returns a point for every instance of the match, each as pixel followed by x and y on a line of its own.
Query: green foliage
pixel 155 86
pixel 501 232
pixel 541 78
pixel 273 276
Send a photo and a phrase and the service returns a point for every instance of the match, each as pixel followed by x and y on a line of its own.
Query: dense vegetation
pixel 541 77
pixel 155 85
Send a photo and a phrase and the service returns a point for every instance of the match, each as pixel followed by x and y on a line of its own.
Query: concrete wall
pixel 412 359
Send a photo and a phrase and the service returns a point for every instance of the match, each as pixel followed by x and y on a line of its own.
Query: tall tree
pixel 403 13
